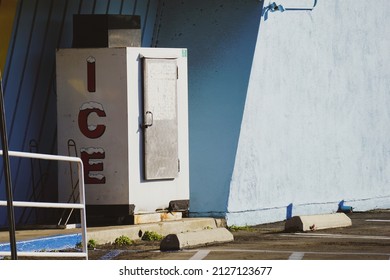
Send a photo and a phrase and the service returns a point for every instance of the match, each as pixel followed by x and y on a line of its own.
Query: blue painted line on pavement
pixel 57 242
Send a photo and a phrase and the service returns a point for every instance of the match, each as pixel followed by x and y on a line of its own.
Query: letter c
pixel 83 123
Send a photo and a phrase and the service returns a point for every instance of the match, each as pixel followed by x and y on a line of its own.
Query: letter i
pixel 91 74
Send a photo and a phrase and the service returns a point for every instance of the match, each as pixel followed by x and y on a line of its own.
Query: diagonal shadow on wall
pixel 220 36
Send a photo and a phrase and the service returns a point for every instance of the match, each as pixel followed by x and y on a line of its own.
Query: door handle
pixel 148 119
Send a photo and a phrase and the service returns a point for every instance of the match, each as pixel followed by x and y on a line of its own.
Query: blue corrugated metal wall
pixel 40 27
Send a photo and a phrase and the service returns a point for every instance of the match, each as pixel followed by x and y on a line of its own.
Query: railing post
pixel 83 210
pixel 7 175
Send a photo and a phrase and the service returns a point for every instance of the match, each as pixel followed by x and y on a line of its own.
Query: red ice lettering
pixel 88 156
pixel 89 132
pixel 91 74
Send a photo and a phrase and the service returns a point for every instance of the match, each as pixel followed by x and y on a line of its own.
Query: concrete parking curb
pixel 180 241
pixel 316 222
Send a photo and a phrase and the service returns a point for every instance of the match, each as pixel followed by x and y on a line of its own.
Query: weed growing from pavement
pixel 123 241
pixel 91 245
pixel 152 236
pixel 243 228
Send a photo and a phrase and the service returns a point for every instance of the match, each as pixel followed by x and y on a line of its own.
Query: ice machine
pixel 124 112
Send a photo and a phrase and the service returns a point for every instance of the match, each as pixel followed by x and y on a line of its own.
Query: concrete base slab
pixel 157 217
pixel 180 241
pixel 147 218
pixel 171 216
pixel 316 222
pixel 135 232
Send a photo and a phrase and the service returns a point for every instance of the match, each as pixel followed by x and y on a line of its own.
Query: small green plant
pixel 123 241
pixel 152 236
pixel 90 245
pixel 237 228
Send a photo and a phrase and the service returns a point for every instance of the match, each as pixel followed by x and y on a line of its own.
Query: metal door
pixel 160 118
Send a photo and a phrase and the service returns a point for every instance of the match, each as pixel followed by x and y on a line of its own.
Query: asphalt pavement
pixel 367 239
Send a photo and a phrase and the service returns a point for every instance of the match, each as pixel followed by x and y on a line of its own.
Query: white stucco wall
pixel 316 123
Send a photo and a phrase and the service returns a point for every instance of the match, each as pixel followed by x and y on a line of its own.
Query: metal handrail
pixel 80 205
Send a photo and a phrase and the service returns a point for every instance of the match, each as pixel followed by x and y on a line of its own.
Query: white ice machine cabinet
pixel 124 112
